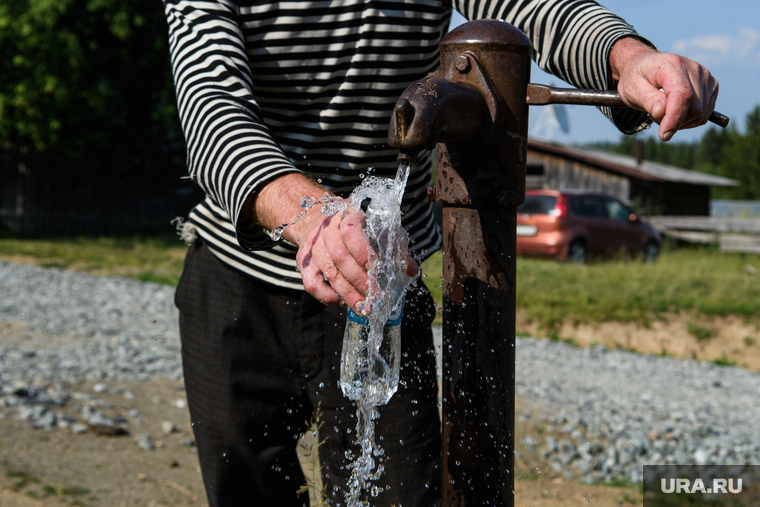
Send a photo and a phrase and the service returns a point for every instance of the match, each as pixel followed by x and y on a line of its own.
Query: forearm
pixel 231 152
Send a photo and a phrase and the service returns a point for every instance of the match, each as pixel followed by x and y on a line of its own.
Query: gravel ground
pixel 603 413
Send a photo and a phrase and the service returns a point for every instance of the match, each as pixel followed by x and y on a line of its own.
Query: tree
pixel 722 152
pixel 88 82
pixel 740 160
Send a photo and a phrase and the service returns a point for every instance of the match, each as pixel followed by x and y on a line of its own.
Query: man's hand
pixel 333 250
pixel 677 92
pixel 333 254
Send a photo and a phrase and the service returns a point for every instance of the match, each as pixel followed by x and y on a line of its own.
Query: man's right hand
pixel 332 250
pixel 333 254
pixel 333 257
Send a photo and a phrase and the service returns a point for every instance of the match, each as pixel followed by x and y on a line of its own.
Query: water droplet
pixel 276 234
pixel 224 455
pixel 458 463
pixel 289 411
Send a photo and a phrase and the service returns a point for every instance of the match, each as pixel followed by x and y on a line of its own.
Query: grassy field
pixel 155 259
pixel 703 280
pixel 699 280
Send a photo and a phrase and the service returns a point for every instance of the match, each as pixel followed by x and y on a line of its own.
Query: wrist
pixel 624 53
pixel 278 202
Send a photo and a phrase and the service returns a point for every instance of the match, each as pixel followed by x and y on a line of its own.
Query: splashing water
pixel 387 283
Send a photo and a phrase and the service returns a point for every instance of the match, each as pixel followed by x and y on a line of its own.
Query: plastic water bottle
pixel 361 372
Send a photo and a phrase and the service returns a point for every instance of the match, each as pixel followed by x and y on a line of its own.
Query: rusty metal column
pixel 480 183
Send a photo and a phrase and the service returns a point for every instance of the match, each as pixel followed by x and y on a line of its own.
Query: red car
pixel 576 225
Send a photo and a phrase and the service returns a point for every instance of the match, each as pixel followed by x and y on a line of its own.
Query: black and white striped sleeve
pixel 230 151
pixel 571 39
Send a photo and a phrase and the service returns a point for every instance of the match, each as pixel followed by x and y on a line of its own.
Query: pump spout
pixel 435 110
pixel 407 156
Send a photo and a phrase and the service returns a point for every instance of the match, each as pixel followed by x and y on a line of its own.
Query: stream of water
pixel 388 282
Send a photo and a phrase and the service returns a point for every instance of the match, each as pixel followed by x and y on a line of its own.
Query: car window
pixel 588 206
pixel 617 210
pixel 537 204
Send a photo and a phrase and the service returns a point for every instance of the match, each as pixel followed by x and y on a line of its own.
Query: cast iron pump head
pixel 470 105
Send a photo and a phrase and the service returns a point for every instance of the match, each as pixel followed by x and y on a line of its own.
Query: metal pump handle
pixel 540 95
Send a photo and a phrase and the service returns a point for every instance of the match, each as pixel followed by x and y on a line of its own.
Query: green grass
pixel 701 333
pixel 700 281
pixel 20 479
pixel 154 259
pixel 724 361
pixel 703 281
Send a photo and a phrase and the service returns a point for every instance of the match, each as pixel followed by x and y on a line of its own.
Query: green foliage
pixel 723 152
pixel 88 81
pixel 740 156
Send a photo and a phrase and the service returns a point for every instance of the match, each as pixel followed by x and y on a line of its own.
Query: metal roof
pixel 627 165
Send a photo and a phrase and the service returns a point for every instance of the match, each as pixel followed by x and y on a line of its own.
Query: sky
pixel 724 36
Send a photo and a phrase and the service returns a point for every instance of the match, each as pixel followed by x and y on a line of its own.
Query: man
pixel 281 100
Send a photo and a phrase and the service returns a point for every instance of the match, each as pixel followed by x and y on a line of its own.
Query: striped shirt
pixel 269 87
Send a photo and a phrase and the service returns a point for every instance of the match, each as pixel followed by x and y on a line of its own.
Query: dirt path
pixel 727 340
pixel 48 468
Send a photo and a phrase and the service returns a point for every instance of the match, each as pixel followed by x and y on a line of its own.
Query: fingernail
pixel 668 135
pixel 657 110
pixel 359 308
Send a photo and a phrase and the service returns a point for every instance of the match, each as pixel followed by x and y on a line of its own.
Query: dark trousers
pixel 258 360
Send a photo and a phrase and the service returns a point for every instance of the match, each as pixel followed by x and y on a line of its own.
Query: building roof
pixel 628 166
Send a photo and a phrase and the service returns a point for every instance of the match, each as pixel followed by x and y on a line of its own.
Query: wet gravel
pixel 600 413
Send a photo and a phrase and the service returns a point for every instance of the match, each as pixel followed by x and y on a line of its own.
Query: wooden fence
pixel 51 201
pixel 732 234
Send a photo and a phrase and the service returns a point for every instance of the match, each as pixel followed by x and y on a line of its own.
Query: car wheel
pixel 650 252
pixel 577 252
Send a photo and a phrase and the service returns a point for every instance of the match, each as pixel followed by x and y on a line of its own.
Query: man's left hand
pixel 677 92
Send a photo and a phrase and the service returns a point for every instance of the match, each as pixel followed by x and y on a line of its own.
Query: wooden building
pixel 652 188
